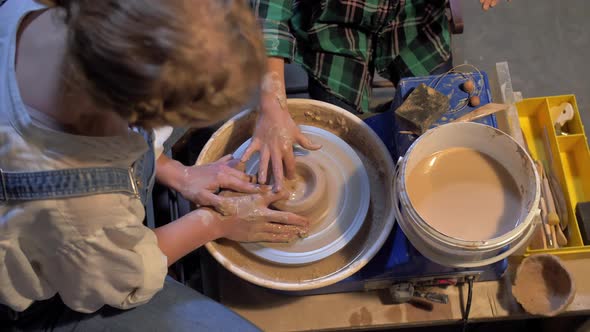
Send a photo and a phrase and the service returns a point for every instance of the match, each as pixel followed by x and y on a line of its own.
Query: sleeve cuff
pixel 278 40
pixel 155 265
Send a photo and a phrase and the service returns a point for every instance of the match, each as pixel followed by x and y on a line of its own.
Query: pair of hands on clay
pixel 245 217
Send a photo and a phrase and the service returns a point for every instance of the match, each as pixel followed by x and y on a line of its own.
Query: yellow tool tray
pixel 571 161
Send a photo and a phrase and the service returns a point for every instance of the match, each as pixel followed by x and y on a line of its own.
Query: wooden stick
pixel 552 240
pixel 481 112
pixel 553 217
pixel 543 205
pixel 556 189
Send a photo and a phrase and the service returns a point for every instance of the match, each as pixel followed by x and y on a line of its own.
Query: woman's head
pixel 164 62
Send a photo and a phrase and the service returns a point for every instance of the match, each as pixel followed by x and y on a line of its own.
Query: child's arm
pixel 188 233
pixel 200 183
pixel 248 219
pixel 275 131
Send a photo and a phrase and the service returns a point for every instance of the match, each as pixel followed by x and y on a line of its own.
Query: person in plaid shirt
pixel 340 43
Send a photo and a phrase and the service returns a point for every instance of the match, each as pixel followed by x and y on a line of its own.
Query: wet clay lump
pixel 465 194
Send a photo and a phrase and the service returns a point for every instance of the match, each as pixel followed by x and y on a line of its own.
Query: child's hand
pixel 200 183
pixel 247 218
pixel 487 4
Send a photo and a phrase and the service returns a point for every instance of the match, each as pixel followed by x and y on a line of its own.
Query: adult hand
pixel 199 184
pixel 275 131
pixel 274 136
pixel 247 218
pixel 487 4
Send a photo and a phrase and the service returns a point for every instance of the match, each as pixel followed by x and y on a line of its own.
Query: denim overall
pixel 175 308
pixel 137 180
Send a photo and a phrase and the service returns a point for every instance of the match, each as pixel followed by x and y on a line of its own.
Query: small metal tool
pixel 405 292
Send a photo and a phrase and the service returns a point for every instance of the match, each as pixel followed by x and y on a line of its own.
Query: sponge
pixel 422 108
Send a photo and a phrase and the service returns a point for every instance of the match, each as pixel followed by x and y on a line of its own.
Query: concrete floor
pixel 546 44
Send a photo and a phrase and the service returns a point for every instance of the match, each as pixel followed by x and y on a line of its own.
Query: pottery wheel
pixel 331 189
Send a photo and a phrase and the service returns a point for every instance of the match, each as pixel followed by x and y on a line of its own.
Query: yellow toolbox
pixel 571 160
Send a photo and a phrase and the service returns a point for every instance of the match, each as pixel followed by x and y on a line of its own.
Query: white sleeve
pixel 121 266
pixel 161 135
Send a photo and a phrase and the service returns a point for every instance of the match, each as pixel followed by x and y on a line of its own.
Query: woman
pixel 83 84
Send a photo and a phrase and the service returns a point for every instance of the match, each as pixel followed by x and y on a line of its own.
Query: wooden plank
pixel 273 311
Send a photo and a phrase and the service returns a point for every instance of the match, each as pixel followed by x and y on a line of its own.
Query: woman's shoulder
pixel 11 13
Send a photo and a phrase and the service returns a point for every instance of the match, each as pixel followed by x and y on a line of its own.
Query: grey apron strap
pixel 27 186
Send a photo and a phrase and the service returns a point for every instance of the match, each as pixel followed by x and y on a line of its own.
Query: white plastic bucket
pixel 450 251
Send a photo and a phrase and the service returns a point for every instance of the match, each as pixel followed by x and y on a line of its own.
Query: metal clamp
pixel 133 184
pixel 406 291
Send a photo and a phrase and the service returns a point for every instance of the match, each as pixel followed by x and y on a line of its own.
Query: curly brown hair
pixel 165 62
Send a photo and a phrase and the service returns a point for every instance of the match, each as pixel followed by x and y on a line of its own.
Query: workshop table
pixel 275 311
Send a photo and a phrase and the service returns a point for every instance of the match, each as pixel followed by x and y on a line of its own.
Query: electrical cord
pixel 468 305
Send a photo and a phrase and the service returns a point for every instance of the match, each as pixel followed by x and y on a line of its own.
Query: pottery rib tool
pixel 543 205
pixel 562 114
pixel 552 217
pixel 483 111
pixel 422 108
pixel 556 190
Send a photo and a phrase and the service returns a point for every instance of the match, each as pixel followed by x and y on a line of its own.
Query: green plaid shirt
pixel 341 42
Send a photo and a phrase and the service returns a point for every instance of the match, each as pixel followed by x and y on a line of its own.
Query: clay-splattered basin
pixel 543 286
pixel 366 242
pixel 336 211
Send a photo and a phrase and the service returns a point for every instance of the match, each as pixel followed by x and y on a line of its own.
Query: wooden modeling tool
pixel 483 111
pixel 557 192
pixel 548 205
pixel 548 229
pixel 543 205
pixel 539 240
pixel 553 218
pixel 547 201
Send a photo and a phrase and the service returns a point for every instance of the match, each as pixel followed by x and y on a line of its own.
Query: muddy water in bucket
pixel 465 194
pixel 473 199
